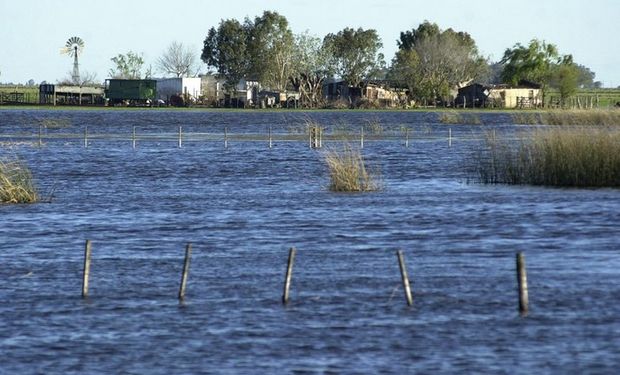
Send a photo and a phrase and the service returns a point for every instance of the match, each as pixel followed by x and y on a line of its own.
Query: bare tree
pixel 179 60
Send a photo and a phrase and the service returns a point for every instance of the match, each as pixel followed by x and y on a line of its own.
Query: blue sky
pixel 33 31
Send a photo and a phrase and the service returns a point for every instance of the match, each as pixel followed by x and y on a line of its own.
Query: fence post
pixel 85 136
pixel 270 138
pixel 362 137
pixel 226 137
pixel 180 137
pixel 405 278
pixel 188 255
pixel 86 273
pixel 522 282
pixel 40 136
pixel 449 137
pixel 289 274
pixel 407 137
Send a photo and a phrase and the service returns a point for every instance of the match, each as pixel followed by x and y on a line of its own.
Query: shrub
pixel 348 173
pixel 16 183
pixel 575 157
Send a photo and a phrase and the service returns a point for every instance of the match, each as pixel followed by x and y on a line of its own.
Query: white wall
pixel 166 87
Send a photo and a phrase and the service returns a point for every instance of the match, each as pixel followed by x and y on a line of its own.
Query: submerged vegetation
pixel 460 118
pixel 570 157
pixel 16 183
pixel 568 117
pixel 348 173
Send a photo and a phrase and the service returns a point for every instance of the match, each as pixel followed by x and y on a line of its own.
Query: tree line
pixel 430 62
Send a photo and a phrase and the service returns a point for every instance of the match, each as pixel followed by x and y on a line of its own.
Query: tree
pixel 86 78
pixel 128 66
pixel 270 49
pixel 309 68
pixel 432 62
pixel 533 63
pixel 354 54
pixel 225 49
pixel 565 78
pixel 586 77
pixel 179 60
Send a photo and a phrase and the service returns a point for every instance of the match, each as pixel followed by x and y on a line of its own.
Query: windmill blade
pixel 66 51
pixel 75 45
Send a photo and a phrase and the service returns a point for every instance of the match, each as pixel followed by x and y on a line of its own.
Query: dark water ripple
pixel 243 207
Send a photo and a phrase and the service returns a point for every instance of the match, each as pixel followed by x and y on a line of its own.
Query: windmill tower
pixel 73 48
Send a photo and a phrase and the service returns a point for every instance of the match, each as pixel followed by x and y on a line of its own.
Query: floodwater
pixel 242 208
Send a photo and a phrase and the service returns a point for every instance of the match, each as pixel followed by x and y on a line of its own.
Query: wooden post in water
pixel 85 136
pixel 40 136
pixel 226 137
pixel 362 137
pixel 188 255
pixel 289 274
pixel 407 137
pixel 133 137
pixel 180 137
pixel 449 137
pixel 522 282
pixel 86 274
pixel 270 138
pixel 320 137
pixel 405 278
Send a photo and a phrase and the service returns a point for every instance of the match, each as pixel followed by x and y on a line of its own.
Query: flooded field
pixel 242 207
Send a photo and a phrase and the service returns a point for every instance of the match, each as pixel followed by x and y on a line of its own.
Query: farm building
pixel 130 91
pixel 70 94
pixel 524 95
pixel 190 89
pixel 380 92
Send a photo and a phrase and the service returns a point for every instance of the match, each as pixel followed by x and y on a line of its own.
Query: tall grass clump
pixel 16 183
pixel 348 173
pixel 574 157
pixel 608 117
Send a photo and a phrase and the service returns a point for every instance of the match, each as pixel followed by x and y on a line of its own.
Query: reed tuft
pixel 568 157
pixel 569 117
pixel 459 118
pixel 16 183
pixel 348 173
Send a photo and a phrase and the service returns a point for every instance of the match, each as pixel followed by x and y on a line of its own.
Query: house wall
pixel 510 95
pixel 167 87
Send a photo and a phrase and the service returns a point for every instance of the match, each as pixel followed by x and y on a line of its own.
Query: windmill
pixel 73 48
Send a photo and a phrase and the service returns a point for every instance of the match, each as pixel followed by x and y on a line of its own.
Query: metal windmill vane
pixel 73 48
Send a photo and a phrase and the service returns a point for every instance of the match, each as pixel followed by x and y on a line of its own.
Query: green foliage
pixel 565 78
pixel 309 68
pixel 431 62
pixel 533 63
pixel 270 49
pixel 354 54
pixel 225 49
pixel 127 66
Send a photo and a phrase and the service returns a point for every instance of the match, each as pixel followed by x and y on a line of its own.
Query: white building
pixel 167 87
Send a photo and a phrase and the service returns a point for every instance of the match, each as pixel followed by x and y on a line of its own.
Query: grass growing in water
pixel 459 118
pixel 348 173
pixel 16 183
pixel 568 117
pixel 576 157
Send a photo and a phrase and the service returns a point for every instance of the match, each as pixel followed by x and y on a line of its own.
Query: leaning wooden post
pixel 289 274
pixel 403 274
pixel 85 136
pixel 522 281
pixel 188 255
pixel 86 274
pixel 180 137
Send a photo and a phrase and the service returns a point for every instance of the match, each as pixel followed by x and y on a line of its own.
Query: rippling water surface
pixel 243 206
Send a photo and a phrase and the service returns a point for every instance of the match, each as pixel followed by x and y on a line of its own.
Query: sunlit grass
pixel 570 157
pixel 348 172
pixel 16 183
